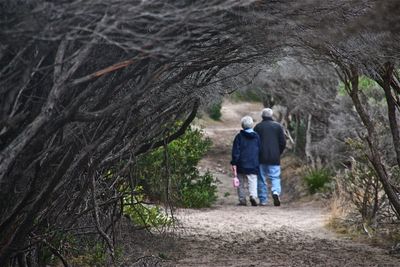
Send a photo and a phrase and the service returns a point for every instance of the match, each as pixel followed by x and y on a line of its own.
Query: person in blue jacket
pixel 245 163
pixel 273 143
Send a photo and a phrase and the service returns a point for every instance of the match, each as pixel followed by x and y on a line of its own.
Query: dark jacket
pixel 273 141
pixel 245 152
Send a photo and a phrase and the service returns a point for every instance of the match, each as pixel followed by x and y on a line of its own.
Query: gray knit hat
pixel 267 113
pixel 247 122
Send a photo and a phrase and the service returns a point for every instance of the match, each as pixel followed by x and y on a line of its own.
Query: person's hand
pixel 234 170
pixel 235 182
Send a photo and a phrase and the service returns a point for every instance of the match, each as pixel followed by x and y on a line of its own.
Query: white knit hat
pixel 267 112
pixel 247 122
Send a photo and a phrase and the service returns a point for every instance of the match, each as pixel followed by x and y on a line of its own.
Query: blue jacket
pixel 273 141
pixel 245 152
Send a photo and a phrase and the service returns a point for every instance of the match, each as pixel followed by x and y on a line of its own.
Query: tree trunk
pixel 296 133
pixel 309 156
pixel 374 156
pixel 387 78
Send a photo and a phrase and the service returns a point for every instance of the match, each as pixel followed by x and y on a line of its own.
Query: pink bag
pixel 235 182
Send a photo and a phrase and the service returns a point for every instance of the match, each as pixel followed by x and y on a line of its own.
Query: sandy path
pixel 290 235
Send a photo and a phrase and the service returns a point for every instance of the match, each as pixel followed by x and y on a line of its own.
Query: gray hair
pixel 267 112
pixel 247 122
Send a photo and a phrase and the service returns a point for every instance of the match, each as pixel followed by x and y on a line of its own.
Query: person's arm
pixel 281 140
pixel 235 154
pixel 234 170
pixel 259 147
pixel 256 129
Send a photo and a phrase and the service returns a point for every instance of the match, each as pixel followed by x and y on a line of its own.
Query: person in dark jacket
pixel 245 163
pixel 273 143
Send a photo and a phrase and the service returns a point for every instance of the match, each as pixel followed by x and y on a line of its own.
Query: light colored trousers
pixel 247 182
pixel 273 172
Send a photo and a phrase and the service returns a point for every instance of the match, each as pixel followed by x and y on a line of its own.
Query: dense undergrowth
pixel 360 207
pixel 169 174
pixel 165 178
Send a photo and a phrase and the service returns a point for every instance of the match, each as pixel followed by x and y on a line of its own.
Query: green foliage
pixel 365 84
pixel 78 250
pixel 92 255
pixel 249 95
pixel 56 239
pixel 177 179
pixel 214 111
pixel 299 129
pixel 317 180
pixel 200 192
pixel 341 89
pixel 361 183
pixel 364 189
pixel 142 214
pixel 163 256
pixel 46 256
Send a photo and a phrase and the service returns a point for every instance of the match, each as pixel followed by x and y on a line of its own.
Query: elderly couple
pixel 255 155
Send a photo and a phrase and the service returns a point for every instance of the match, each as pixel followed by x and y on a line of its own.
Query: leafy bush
pixel 93 256
pixel 362 208
pixel 298 129
pixel 363 189
pixel 85 251
pixel 142 214
pixel 170 175
pixel 363 202
pixel 317 179
pixel 366 84
pixel 199 193
pixel 250 95
pixel 214 111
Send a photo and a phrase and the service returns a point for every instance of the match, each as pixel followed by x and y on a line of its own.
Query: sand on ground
pixel 293 234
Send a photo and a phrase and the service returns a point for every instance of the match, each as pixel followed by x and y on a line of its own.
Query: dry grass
pixel 345 220
pixel 292 184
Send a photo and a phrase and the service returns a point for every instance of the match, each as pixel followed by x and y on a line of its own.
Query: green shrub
pixel 200 192
pixel 79 250
pixel 249 95
pixel 143 214
pixel 214 111
pixel 298 129
pixel 94 255
pixel 60 240
pixel 363 189
pixel 178 180
pixel 317 179
pixel 366 84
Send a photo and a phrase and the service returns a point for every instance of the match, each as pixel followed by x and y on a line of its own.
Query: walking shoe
pixel 263 204
pixel 253 201
pixel 277 201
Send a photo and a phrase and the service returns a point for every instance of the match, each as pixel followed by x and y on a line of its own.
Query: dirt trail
pixel 290 235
